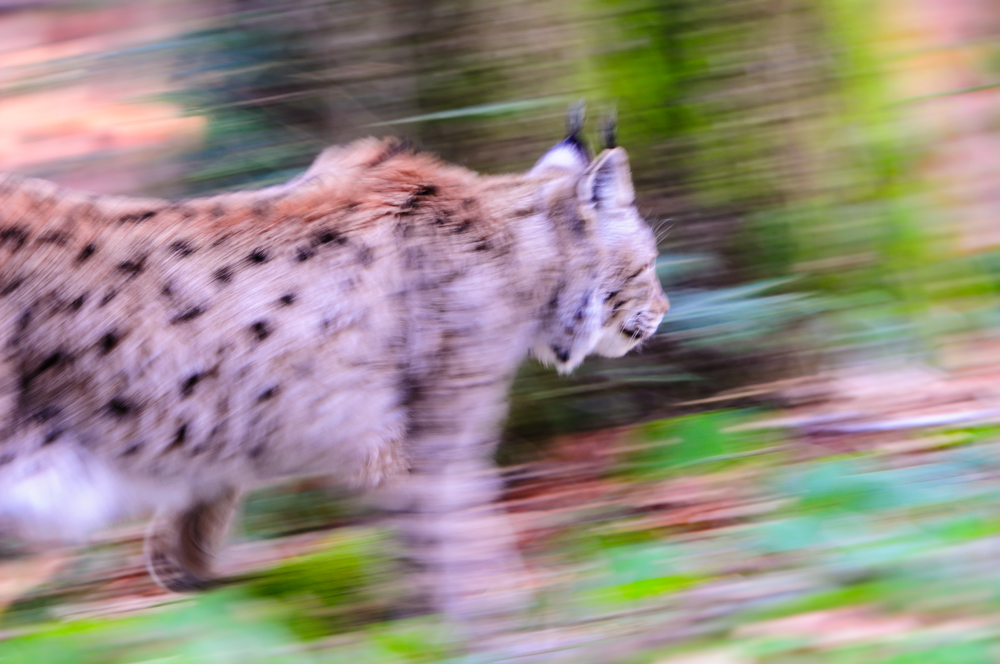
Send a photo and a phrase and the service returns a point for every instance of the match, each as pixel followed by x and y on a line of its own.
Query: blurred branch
pixel 482 110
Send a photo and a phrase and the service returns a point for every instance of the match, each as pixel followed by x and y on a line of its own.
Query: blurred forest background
pixel 799 468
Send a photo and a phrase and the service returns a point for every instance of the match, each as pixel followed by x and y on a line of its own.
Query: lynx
pixel 363 322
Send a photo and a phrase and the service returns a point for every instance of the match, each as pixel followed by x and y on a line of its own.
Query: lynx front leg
pixel 461 545
pixel 463 360
pixel 180 544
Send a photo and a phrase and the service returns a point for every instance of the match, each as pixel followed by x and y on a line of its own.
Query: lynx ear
pixel 571 154
pixel 568 155
pixel 608 181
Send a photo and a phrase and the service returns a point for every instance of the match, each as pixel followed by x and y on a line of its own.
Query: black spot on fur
pixel 223 274
pixel 261 330
pixel 258 256
pixel 187 387
pixel 108 342
pixel 14 236
pixel 76 304
pixel 287 299
pixel 86 253
pixel 413 201
pixel 179 437
pixel 411 389
pixel 132 449
pixel 48 413
pixel 137 217
pixel 182 248
pixel 187 315
pixel 120 407
pixel 556 294
pixel 49 362
pixel 267 394
pixel 11 286
pixel 365 256
pixel 110 295
pixel 54 237
pixel 133 267
pixel 326 236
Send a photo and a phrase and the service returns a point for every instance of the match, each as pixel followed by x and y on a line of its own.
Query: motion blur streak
pixel 799 466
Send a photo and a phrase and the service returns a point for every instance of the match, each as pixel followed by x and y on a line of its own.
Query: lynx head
pixel 612 299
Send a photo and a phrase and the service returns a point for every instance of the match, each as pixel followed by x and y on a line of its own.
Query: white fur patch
pixel 62 494
pixel 562 156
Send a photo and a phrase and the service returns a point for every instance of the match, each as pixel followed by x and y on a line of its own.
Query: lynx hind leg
pixel 180 545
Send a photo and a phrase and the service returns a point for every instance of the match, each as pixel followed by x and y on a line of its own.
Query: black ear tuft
pixel 609 129
pixel 576 115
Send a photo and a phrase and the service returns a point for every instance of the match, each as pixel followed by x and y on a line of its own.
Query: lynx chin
pixel 363 321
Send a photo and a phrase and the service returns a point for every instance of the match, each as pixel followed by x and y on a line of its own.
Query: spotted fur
pixel 363 321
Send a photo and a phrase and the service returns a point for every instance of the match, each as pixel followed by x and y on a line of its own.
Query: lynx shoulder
pixel 362 321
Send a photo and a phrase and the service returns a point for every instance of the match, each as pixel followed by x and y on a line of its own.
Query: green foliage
pixel 293 508
pixel 334 589
pixel 637 572
pixel 700 443
pixel 267 618
pixel 223 626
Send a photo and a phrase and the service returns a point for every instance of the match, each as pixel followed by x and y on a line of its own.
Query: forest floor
pixel 857 522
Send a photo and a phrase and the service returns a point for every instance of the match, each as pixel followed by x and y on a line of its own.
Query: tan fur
pixel 363 321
